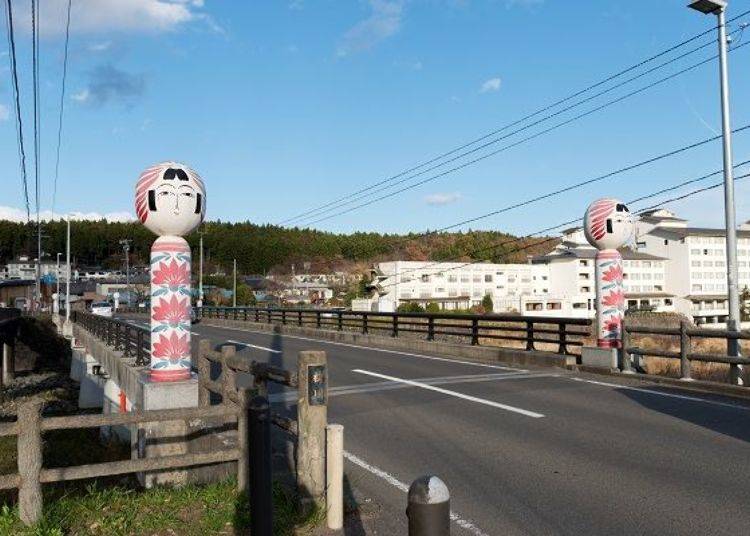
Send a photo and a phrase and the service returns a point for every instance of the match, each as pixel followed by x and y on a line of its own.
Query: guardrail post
pixel 268 312
pixel 474 331
pixel 431 328
pixel 529 335
pixel 364 323
pixel 626 364
pixel 429 509
pixel 30 461
pixel 563 335
pixel 395 326
pixel 257 316
pixel 244 314
pixel 283 317
pixel 335 476
pixel 317 319
pixel 261 503
pixel 684 351
pixel 312 417
pixel 341 320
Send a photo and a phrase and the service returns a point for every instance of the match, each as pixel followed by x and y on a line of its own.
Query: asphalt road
pixel 526 451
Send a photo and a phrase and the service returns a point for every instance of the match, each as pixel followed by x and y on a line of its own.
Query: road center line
pixel 660 393
pixel 451 393
pixel 396 483
pixel 238 343
pixel 384 350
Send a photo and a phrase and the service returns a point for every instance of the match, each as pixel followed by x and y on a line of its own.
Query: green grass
pixel 189 511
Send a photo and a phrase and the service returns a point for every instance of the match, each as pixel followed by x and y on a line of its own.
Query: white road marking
pixel 421 356
pixel 452 393
pixel 396 483
pixel 362 388
pixel 254 346
pixel 660 393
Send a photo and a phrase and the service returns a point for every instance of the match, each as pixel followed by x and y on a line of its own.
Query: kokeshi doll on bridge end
pixel 608 226
pixel 170 200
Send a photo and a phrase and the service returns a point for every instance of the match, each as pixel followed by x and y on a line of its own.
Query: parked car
pixel 101 309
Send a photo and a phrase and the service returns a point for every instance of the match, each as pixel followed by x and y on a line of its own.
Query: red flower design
pixel 172 311
pixel 614 273
pixel 614 299
pixel 173 274
pixel 173 347
pixel 612 324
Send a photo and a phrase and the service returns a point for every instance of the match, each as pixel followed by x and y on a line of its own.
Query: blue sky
pixel 282 106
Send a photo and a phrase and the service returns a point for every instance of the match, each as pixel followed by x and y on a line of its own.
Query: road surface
pixel 526 451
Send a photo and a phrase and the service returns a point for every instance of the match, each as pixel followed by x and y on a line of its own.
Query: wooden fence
pixel 528 330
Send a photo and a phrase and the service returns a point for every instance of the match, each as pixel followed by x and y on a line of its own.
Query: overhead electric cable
pixel 62 107
pixel 518 142
pixel 17 103
pixel 525 118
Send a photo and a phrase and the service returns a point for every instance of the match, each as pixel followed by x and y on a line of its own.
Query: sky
pixel 284 106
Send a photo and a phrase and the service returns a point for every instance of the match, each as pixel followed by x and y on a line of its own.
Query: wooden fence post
pixel 227 375
pixel 204 372
pixel 30 461
pixel 312 417
pixel 684 351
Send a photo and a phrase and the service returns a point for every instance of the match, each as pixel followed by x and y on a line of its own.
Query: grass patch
pixel 124 511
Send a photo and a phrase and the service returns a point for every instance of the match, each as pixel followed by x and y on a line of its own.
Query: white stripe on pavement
pixel 452 393
pixel 421 356
pixel 660 393
pixel 396 483
pixel 254 346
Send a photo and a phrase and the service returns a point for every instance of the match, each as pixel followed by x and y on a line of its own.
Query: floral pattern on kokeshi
pixel 170 309
pixel 611 298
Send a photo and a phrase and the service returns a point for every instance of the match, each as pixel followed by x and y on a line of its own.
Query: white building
pixel 571 283
pixel 25 268
pixel 696 267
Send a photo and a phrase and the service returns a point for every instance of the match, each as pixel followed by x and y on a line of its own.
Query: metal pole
pixel 67 278
pixel 428 507
pixel 234 284
pixel 200 272
pixel 57 282
pixel 733 323
pixel 127 272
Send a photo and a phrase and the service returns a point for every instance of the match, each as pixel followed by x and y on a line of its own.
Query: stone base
pixel 67 329
pixel 599 357
pixel 91 393
pixel 165 438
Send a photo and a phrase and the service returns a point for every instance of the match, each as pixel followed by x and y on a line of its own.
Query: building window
pixel 488 278
pixel 452 279
pixel 425 278
pixel 666 242
pixel 668 301
pixel 583 263
pixel 585 289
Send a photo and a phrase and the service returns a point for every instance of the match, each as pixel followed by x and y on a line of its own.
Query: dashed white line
pixel 254 346
pixel 456 394
pixel 396 483
pixel 660 393
pixel 421 356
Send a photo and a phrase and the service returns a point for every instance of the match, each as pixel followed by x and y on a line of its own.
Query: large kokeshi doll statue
pixel 609 225
pixel 170 200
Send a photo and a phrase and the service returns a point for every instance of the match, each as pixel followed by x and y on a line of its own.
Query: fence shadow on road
pixel 718 418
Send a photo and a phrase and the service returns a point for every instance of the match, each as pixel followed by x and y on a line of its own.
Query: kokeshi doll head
pixel 608 224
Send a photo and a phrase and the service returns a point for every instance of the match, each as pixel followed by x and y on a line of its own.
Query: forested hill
pixel 261 248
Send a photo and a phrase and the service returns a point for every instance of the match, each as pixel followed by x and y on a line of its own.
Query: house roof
pixel 648 295
pixel 590 253
pixel 683 232
pixel 706 297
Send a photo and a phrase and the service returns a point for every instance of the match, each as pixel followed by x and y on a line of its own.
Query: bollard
pixel 259 439
pixel 335 476
pixel 312 417
pixel 429 507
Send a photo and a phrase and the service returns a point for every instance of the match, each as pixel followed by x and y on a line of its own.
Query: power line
pixel 17 102
pixel 527 117
pixel 519 142
pixel 62 107
pixel 576 220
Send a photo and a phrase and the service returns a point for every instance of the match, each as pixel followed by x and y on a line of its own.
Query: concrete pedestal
pixel 67 329
pixel 599 357
pixel 167 438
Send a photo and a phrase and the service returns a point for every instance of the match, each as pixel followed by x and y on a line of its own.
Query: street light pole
pixel 234 284
pixel 200 271
pixel 57 281
pixel 126 249
pixel 67 278
pixel 718 8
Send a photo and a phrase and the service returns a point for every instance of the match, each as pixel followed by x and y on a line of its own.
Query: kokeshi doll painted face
pixel 608 224
pixel 170 199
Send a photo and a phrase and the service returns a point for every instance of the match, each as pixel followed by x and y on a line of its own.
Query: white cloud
pixel 105 16
pixel 4 113
pixel 81 96
pixel 18 215
pixel 100 47
pixel 383 22
pixel 491 85
pixel 439 199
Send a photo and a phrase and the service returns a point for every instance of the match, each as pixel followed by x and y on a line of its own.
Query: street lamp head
pixel 708 7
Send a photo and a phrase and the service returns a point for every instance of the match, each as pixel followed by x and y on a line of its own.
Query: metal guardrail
pixel 476 328
pixel 133 341
pixel 685 333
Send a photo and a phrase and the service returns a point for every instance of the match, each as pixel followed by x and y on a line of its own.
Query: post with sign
pixel 312 412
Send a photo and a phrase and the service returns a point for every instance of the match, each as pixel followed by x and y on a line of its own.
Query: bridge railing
pixel 133 341
pixel 683 337
pixel 526 331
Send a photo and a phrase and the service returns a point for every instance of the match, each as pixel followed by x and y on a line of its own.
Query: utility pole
pixel 125 243
pixel 200 271
pixel 718 8
pixel 234 284
pixel 67 279
pixel 38 304
pixel 57 281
